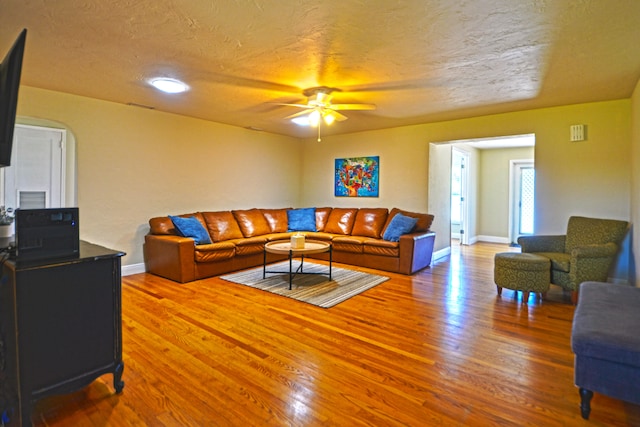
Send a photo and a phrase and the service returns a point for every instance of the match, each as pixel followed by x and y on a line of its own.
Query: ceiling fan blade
pixel 339 117
pixel 353 107
pixel 425 83
pixel 233 80
pixel 298 114
pixel 295 105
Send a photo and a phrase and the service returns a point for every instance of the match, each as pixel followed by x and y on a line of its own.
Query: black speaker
pixel 43 234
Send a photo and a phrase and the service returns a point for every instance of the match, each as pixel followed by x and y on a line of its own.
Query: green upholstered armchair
pixel 585 253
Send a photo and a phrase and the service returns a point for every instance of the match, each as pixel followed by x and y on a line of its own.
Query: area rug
pixel 314 289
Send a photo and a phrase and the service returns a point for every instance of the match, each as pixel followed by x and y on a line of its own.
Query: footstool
pixel 606 343
pixel 522 272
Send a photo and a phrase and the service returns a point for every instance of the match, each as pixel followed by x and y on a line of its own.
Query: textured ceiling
pixel 417 60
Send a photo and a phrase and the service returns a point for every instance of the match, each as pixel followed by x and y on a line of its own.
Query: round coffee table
pixel 284 247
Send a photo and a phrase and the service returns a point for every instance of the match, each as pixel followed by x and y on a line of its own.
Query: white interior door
pixel 36 177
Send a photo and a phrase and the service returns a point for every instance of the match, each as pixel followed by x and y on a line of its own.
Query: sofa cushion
pixel 250 246
pixel 252 222
pixel 301 219
pixel 353 244
pixel 399 225
pixel 381 247
pixel 222 226
pixel 341 220
pixel 319 235
pixel 215 252
pixel 605 323
pixel 277 219
pixel 322 214
pixel 162 225
pixel 278 236
pixel 559 260
pixel 191 227
pixel 583 231
pixel 423 224
pixel 369 222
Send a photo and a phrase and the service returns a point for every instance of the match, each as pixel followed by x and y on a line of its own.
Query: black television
pixel 10 70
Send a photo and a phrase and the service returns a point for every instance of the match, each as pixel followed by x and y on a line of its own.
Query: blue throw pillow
pixel 399 225
pixel 301 219
pixel 191 227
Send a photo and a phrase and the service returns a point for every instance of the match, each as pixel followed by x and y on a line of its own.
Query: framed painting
pixel 357 177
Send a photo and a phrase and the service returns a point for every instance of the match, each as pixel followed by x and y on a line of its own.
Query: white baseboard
pixel 133 269
pixel 441 253
pixel 493 239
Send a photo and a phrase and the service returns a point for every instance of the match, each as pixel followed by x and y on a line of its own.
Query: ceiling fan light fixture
pixel 319 108
pixel 301 121
pixel 314 118
pixel 329 118
pixel 323 98
pixel 168 85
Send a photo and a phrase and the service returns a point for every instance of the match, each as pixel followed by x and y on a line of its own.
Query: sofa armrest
pixel 416 250
pixel 170 256
pixel 605 250
pixel 542 243
pixel 592 262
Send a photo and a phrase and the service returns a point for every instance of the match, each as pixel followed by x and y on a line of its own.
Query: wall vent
pixel 578 133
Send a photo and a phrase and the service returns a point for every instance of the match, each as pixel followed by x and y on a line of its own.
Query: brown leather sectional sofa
pixel 238 239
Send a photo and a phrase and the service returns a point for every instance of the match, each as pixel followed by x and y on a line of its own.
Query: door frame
pixel 464 193
pixel 515 171
pixel 62 164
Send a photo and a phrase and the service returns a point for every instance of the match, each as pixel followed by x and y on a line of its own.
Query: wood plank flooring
pixel 436 348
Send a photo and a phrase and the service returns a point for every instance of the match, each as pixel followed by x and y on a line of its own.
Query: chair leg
pixel 499 290
pixel 574 297
pixel 525 297
pixel 543 295
pixel 585 402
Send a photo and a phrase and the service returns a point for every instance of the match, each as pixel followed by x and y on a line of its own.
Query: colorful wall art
pixel 357 177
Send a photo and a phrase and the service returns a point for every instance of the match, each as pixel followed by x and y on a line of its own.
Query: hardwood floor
pixel 436 348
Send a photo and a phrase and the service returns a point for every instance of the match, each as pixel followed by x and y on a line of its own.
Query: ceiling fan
pixel 319 108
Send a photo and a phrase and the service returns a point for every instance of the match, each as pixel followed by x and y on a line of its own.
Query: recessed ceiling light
pixel 169 85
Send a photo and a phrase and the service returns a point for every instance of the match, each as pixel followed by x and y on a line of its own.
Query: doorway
pixel 488 191
pixel 522 183
pixel 37 175
pixel 459 195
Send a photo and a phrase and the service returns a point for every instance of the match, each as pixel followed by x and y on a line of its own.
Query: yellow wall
pixel 439 194
pixel 404 168
pixel 134 164
pixel 474 195
pixel 487 195
pixel 493 207
pixel 635 181
pixel 590 178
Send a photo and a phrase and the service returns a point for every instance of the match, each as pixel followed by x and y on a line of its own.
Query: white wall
pixel 134 164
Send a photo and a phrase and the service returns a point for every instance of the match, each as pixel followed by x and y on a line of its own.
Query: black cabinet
pixel 61 327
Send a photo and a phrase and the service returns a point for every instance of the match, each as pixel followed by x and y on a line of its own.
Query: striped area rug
pixel 314 289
